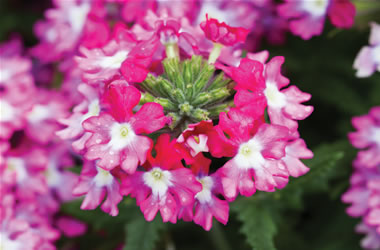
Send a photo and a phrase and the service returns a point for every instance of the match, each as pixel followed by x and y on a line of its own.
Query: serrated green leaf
pixel 257 223
pixel 327 163
pixel 143 235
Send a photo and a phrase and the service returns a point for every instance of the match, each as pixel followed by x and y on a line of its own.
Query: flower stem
pixel 215 53
pixel 172 50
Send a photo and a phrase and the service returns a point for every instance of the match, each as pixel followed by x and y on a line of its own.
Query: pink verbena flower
pixel 368 59
pixel 294 151
pixel 116 135
pixel 59 179
pixel 165 186
pixel 22 171
pixel 256 148
pixel 16 235
pixel 66 25
pixel 372 238
pixel 364 192
pixel 16 79
pixel 174 35
pixel 123 55
pixel 71 227
pixel 90 106
pixel 307 17
pixel 48 107
pixel 12 114
pixel 367 138
pixel 95 183
pixel 255 91
pixel 222 33
pixel 41 225
pixel 206 205
pixel 194 140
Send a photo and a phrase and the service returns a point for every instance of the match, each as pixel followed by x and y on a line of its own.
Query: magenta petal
pixel 122 99
pixel 113 198
pixel 307 27
pixel 133 72
pixel 71 227
pixel 149 118
pixel 342 13
pixel 93 198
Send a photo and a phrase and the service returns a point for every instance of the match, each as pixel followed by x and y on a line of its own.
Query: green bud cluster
pixel 189 91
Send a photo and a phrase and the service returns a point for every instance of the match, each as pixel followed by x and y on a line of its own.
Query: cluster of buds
pixel 171 114
pixel 33 163
pixel 363 195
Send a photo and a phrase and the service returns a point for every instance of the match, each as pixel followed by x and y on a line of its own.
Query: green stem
pixel 215 53
pixel 172 50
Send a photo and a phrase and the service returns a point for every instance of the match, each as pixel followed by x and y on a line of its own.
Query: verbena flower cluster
pixel 363 194
pixel 163 99
pixel 164 102
pixel 33 165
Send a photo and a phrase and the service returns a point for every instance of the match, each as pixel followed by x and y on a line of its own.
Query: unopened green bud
pixel 202 99
pixel 204 76
pixel 185 108
pixel 165 86
pixel 176 119
pixel 200 115
pixel 187 72
pixel 150 85
pixel 166 103
pixel 178 96
pixel 219 82
pixel 219 94
pixel 173 71
pixel 146 97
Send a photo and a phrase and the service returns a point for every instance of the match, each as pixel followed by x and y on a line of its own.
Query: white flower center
pixel 5 74
pixel 17 165
pixel 197 144
pixel 249 155
pixel 53 176
pixel 8 244
pixel 115 61
pixel 316 8
pixel 103 178
pixel 38 113
pixel 122 135
pixel 93 110
pixel 205 196
pixel 376 54
pixel 51 34
pixel 158 180
pixel 77 16
pixel 7 111
pixel 275 98
pixel 376 135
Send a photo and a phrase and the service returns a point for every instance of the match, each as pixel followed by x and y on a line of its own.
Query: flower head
pixel 116 134
pixel 165 185
pixel 222 33
pixel 307 17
